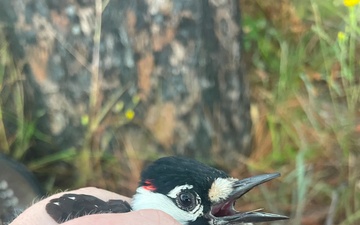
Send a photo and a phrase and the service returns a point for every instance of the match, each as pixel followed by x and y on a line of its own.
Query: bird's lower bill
pixel 224 212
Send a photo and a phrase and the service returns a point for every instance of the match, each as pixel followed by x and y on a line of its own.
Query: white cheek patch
pixel 221 189
pixel 145 199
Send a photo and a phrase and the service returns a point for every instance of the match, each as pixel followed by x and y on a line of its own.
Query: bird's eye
pixel 186 201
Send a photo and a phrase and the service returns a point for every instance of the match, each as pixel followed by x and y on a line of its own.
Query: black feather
pixel 70 206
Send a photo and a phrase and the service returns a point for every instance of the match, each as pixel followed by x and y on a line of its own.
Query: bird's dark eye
pixel 186 201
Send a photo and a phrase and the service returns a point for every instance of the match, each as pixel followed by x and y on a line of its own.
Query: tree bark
pixel 89 64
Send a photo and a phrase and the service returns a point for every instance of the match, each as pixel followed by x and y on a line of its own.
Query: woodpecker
pixel 191 192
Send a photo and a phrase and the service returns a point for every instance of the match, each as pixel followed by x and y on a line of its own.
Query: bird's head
pixel 196 194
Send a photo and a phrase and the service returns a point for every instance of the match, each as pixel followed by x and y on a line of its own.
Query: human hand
pixel 36 214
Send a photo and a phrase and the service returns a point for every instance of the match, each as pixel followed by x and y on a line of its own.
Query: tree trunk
pixel 134 78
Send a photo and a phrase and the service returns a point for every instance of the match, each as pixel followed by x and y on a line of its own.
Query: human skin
pixel 37 215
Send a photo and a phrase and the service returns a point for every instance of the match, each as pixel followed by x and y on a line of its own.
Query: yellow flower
pixel 129 114
pixel 350 3
pixel 341 36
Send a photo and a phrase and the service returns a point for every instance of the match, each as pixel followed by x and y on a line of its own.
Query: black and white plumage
pixel 189 191
pixel 70 206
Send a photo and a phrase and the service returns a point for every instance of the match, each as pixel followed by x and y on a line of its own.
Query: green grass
pixel 308 83
pixel 12 107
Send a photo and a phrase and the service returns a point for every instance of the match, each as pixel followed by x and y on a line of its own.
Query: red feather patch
pixel 149 186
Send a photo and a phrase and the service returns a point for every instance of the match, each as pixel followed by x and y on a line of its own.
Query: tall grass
pixel 12 106
pixel 308 92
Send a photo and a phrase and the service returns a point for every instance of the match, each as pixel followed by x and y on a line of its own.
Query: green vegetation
pixel 304 70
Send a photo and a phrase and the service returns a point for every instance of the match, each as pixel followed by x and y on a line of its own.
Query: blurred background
pixel 94 90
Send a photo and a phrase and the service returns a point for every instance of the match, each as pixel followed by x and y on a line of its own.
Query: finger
pixel 141 217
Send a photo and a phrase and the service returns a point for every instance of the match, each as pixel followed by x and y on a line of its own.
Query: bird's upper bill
pixel 223 212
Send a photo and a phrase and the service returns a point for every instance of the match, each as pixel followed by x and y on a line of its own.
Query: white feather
pixel 221 189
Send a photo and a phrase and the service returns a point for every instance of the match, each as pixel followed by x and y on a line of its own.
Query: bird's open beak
pixel 224 213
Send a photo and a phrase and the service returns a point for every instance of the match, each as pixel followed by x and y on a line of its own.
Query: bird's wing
pixel 70 206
